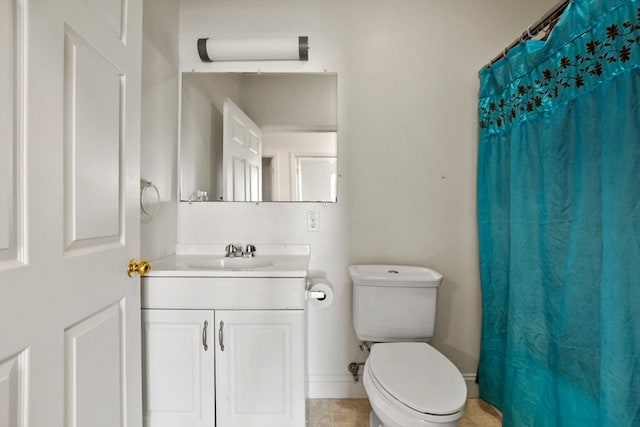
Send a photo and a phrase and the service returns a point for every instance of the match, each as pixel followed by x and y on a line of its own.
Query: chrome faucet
pixel 235 250
pixel 250 251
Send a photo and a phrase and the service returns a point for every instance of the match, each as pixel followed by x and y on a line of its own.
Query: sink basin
pixel 229 263
pixel 209 261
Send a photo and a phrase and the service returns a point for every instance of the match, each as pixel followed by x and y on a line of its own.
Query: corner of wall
pixel 159 123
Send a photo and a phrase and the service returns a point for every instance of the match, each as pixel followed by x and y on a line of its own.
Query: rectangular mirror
pixel 258 137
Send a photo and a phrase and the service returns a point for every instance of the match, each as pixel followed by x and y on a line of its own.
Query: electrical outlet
pixel 313 221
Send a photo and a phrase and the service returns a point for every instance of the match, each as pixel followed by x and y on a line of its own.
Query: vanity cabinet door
pixel 260 368
pixel 178 368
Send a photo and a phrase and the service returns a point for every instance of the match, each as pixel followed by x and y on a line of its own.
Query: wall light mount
pixel 266 49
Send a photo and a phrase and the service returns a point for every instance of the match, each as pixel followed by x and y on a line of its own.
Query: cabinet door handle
pixel 221 336
pixel 204 335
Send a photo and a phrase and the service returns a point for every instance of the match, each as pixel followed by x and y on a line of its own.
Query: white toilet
pixel 408 382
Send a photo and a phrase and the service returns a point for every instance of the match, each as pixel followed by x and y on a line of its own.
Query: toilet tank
pixel 394 302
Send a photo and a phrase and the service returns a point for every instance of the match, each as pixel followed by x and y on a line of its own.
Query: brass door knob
pixel 142 267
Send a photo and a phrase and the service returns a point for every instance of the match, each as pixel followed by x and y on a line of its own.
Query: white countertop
pixel 191 266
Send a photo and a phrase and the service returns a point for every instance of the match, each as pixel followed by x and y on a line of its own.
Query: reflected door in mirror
pixel 241 155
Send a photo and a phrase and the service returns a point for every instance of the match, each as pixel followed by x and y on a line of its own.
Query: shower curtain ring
pixel 529 32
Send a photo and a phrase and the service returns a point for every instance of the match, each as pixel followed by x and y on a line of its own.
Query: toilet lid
pixel 418 376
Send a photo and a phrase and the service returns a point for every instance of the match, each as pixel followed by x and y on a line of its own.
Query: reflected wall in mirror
pixel 258 137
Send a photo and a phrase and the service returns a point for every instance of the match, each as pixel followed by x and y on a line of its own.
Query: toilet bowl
pixel 411 384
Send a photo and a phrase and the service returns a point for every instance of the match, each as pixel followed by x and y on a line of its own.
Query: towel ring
pixel 149 198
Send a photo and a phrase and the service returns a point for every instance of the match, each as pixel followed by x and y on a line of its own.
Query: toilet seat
pixel 413 384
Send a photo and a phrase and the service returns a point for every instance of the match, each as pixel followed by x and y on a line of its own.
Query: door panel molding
pixel 13 250
pixel 95 369
pixel 14 396
pixel 94 94
pixel 113 13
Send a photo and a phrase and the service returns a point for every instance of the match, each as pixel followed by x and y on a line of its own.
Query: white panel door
pixel 241 155
pixel 69 223
pixel 260 368
pixel 178 348
pixel 239 180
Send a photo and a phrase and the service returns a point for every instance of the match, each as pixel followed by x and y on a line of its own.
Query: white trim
pixel 472 386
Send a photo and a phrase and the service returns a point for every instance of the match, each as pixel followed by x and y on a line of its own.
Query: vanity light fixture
pixel 267 49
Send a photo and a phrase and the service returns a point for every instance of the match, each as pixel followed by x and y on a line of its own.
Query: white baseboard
pixel 472 386
pixel 335 387
pixel 343 386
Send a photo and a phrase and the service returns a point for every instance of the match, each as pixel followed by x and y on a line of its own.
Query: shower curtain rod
pixel 549 19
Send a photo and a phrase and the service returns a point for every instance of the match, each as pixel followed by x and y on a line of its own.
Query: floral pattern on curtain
pixel 559 223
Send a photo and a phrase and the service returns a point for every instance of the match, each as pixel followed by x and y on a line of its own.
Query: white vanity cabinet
pixel 178 370
pixel 260 368
pixel 223 352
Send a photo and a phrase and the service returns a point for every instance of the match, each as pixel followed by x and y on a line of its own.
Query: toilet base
pixel 374 421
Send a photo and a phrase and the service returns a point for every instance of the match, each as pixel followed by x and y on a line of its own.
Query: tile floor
pixel 355 413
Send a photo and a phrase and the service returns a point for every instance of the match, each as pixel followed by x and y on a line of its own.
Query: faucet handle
pixel 250 251
pixel 230 250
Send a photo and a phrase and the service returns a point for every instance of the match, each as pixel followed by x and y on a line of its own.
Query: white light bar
pixel 269 49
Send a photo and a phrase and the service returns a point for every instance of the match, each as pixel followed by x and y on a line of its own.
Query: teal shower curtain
pixel 559 223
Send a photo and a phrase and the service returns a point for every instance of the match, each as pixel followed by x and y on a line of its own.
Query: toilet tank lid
pixel 395 275
pixel 419 376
